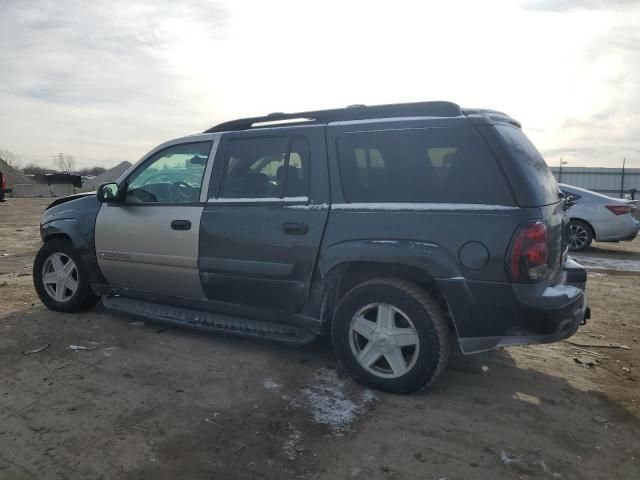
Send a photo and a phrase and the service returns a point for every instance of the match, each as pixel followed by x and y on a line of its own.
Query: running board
pixel 210 321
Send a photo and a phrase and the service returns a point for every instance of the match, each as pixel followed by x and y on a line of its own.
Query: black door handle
pixel 295 228
pixel 181 224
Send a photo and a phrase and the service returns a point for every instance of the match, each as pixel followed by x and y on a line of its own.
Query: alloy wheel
pixel 577 236
pixel 60 277
pixel 383 340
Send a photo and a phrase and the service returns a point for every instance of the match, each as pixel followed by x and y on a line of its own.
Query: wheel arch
pixel 81 238
pixel 345 265
pixel 67 228
pixel 56 235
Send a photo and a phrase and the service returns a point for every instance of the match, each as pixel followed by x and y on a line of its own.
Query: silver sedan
pixel 598 217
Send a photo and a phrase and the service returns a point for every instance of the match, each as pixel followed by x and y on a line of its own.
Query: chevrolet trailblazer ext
pixel 393 228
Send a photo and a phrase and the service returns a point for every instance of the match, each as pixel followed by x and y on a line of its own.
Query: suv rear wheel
pixel 391 335
pixel 60 278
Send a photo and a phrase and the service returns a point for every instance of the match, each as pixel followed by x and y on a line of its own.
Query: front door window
pixel 173 175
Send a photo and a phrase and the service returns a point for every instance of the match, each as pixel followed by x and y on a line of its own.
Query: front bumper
pixel 488 315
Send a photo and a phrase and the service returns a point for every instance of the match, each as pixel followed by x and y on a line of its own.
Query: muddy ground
pixel 148 402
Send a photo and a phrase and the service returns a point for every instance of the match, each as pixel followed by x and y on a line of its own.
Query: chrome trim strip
pixel 420 206
pixel 259 200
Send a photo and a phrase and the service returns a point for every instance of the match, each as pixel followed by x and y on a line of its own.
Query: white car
pixel 597 217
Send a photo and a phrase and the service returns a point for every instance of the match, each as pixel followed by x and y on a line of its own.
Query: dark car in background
pixel 394 229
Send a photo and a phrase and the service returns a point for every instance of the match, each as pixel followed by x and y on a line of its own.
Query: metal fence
pixel 615 182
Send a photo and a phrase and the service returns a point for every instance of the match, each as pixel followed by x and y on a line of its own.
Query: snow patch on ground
pixel 269 384
pixel 293 445
pixel 506 459
pixel 557 290
pixel 603 263
pixel 596 274
pixel 368 396
pixel 330 404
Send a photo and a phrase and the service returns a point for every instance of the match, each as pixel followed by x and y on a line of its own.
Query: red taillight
pixel 3 181
pixel 619 209
pixel 529 253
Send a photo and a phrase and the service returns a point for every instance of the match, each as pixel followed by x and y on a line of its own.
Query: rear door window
pixel 432 165
pixel 273 168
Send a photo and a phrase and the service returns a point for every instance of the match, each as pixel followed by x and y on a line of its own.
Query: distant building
pixel 63 179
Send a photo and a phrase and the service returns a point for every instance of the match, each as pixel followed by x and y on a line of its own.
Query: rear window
pixel 432 165
pixel 530 162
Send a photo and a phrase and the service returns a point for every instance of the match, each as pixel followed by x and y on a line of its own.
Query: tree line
pixel 33 169
pixel 62 163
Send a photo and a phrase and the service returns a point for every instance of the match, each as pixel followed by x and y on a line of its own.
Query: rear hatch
pixel 534 186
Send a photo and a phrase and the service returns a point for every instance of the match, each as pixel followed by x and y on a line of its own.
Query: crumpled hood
pixel 61 200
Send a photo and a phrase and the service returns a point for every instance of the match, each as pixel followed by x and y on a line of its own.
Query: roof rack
pixel 353 112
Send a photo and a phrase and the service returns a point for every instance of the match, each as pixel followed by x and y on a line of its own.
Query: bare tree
pixel 65 163
pixel 10 159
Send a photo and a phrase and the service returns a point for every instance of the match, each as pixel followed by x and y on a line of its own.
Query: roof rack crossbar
pixel 354 112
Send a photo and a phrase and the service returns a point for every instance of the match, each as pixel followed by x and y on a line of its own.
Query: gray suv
pixel 396 229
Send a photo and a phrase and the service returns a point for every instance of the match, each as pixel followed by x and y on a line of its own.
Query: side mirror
pixel 110 193
pixel 569 201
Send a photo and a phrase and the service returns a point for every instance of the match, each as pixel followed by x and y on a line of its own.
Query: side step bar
pixel 210 321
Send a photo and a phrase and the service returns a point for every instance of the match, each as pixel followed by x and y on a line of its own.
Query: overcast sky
pixel 106 81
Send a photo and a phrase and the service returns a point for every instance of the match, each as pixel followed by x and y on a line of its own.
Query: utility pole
pixel 624 160
pixel 562 162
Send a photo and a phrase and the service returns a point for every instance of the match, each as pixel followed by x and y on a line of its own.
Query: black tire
pixel 583 234
pixel 428 321
pixel 83 298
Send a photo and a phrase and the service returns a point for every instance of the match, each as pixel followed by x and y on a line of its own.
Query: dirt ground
pixel 144 401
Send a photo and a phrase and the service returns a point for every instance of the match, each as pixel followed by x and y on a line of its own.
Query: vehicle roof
pixel 591 193
pixel 440 111
pixel 365 114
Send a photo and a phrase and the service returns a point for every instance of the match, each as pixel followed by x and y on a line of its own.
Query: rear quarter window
pixel 421 165
pixel 530 163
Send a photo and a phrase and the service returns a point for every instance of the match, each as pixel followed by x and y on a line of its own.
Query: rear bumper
pixel 488 315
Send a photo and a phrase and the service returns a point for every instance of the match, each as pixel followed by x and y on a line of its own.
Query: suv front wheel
pixel 389 334
pixel 60 279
